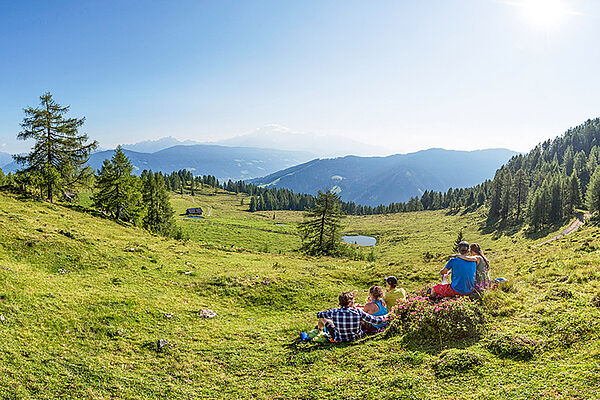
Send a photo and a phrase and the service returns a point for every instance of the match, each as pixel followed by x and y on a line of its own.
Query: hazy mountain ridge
pixel 236 163
pixel 383 180
pixel 5 159
pixel 282 138
pixel 152 146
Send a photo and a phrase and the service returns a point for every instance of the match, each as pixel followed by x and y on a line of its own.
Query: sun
pixel 545 14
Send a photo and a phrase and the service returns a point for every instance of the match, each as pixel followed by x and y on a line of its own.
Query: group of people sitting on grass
pixel 467 272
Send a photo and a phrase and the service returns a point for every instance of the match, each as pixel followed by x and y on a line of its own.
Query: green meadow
pixel 84 301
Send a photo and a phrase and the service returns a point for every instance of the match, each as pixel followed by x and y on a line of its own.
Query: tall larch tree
pixel 59 154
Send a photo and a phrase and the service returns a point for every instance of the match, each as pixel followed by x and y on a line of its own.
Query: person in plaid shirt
pixel 346 319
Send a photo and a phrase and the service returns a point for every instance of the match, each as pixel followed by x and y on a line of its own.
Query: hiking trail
pixel 573 227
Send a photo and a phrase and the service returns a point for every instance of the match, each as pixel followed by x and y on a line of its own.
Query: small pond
pixel 360 240
pixel 194 218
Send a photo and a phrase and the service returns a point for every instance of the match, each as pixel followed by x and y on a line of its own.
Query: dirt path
pixel 573 226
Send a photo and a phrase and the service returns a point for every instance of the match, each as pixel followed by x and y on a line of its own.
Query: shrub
pixel 517 347
pixel 453 361
pixel 425 321
pixel 565 329
pixel 558 292
pixel 498 303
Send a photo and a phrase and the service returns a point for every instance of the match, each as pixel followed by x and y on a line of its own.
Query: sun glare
pixel 545 14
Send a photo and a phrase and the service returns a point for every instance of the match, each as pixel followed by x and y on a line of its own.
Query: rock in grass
pixel 454 361
pixel 160 344
pixel 207 314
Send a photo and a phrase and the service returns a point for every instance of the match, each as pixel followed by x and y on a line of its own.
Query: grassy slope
pixel 91 332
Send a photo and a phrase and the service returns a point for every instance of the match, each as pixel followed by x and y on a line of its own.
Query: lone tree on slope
pixel 320 229
pixel 57 160
pixel 117 190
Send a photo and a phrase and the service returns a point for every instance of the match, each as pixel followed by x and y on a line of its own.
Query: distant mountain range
pixel 273 137
pixel 282 138
pixel 364 180
pixel 383 180
pixel 236 163
pixel 5 158
pixel 152 146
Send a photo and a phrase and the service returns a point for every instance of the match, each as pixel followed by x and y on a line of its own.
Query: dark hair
pixel 463 247
pixel 377 292
pixel 476 248
pixel 392 281
pixel 346 299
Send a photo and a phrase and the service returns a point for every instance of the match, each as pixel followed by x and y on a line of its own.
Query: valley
pixel 85 300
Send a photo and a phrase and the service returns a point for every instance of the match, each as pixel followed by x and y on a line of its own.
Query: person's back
pixel 463 275
pixel 376 307
pixel 347 319
pixel 393 293
pixel 392 297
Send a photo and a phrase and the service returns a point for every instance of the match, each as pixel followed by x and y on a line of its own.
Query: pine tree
pixel 117 190
pixel 59 154
pixel 321 226
pixel 520 188
pixel 574 193
pixel 495 198
pixel 593 192
pixel 159 214
pixel 459 238
pixel 535 211
pixel 556 205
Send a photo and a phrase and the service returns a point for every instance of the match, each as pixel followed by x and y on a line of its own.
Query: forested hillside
pixel 371 181
pixel 551 181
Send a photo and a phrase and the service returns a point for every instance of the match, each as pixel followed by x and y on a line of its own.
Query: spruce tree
pixel 495 198
pixel 556 201
pixel 320 230
pixel 574 193
pixel 593 192
pixel 59 154
pixel 459 238
pixel 159 214
pixel 117 190
pixel 520 188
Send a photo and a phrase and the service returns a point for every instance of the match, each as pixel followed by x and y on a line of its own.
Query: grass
pixel 84 301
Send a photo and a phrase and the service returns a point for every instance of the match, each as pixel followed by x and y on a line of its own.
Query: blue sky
pixel 405 75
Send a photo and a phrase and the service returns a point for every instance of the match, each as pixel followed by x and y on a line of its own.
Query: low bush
pixel 566 329
pixel 421 320
pixel 454 361
pixel 558 292
pixel 498 303
pixel 517 347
